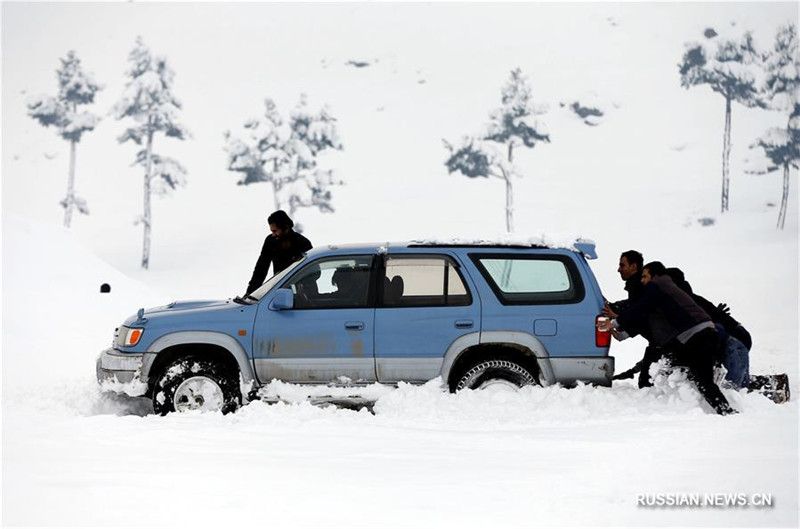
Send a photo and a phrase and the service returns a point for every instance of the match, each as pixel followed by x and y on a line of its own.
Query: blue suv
pixel 474 315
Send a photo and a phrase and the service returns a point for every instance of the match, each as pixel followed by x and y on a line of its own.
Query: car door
pixel 328 334
pixel 425 304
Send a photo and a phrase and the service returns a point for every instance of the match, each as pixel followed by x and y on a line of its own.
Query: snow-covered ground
pixel 641 178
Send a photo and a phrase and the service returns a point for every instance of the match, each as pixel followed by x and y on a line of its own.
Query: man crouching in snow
pixel 677 324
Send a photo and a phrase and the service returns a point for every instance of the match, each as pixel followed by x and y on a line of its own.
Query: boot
pixel 774 387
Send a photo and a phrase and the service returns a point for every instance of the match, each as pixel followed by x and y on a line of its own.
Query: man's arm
pixel 717 315
pixel 261 268
pixel 305 244
pixel 618 306
pixel 633 318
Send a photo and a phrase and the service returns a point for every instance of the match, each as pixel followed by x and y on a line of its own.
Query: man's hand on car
pixel 608 312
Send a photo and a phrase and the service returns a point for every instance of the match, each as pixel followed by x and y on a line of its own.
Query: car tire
pixel 495 371
pixel 190 384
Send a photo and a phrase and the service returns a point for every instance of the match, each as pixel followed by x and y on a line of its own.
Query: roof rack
pixel 473 245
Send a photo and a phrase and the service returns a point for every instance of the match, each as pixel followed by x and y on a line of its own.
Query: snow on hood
pixel 187 305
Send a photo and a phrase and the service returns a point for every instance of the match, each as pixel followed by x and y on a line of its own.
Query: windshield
pixel 274 280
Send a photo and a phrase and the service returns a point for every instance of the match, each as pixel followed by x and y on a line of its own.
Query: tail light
pixel 601 338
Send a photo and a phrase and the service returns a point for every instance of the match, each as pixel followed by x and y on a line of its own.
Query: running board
pixel 348 403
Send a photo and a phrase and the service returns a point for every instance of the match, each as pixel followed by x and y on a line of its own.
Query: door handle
pixel 464 324
pixel 354 325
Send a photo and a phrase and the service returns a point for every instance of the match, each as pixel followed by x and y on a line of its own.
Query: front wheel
pixel 496 372
pixel 190 384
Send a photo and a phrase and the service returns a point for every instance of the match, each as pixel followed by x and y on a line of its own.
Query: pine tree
pixel 729 67
pixel 782 92
pixel 75 87
pixel 286 154
pixel 149 102
pixel 492 154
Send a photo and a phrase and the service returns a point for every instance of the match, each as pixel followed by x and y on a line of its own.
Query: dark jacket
pixel 719 316
pixel 664 310
pixel 281 253
pixel 634 288
pixel 670 312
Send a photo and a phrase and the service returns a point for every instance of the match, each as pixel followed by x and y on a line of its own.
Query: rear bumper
pixel 121 372
pixel 591 369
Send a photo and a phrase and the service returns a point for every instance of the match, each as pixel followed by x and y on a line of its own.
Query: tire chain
pixel 490 364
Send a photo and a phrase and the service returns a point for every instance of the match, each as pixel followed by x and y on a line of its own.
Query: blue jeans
pixel 737 362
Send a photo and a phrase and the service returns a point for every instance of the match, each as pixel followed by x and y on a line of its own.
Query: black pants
pixel 697 355
pixel 652 354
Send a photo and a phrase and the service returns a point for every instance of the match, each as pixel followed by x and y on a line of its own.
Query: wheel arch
pixel 204 344
pixel 519 346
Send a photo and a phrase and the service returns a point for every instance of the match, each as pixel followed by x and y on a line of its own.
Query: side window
pixel 529 280
pixel 423 282
pixel 335 283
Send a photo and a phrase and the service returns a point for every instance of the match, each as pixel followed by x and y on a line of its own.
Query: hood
pixel 188 305
pixel 181 307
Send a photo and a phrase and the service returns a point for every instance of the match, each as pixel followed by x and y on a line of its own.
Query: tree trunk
pixel 147 216
pixel 507 175
pixel 275 186
pixel 509 203
pixel 275 196
pixel 506 277
pixel 726 155
pixel 784 197
pixel 69 202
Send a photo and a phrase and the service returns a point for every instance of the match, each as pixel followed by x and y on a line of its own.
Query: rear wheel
pixel 496 373
pixel 190 384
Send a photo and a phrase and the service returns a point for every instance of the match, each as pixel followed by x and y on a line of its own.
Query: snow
pixel 590 107
pixel 775 138
pixel 83 121
pixel 554 240
pixel 44 104
pixel 74 456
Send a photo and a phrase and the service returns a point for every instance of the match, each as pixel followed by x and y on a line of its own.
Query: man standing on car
pixel 282 247
pixel 679 325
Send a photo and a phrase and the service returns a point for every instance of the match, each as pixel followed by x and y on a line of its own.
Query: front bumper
pixel 121 372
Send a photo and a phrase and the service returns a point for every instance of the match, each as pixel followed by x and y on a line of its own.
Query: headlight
pixel 128 336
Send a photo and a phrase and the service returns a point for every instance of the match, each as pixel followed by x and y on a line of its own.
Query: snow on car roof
pixel 575 244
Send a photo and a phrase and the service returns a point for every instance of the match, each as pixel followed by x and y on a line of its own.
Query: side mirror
pixel 282 300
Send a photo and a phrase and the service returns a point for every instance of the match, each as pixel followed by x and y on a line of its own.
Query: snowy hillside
pixel 399 78
pixel 424 458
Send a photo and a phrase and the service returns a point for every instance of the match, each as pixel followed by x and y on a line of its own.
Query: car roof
pixel 582 246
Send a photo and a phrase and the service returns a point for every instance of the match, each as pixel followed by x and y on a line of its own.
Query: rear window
pixel 531 280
